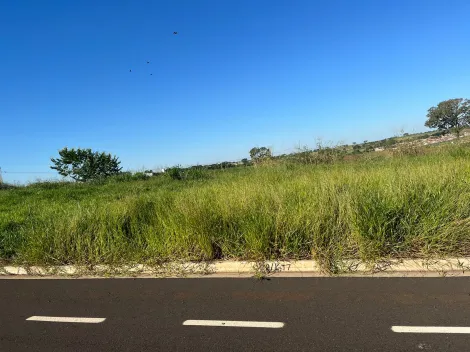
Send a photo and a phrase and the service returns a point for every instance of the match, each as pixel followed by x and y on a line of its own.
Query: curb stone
pixel 300 268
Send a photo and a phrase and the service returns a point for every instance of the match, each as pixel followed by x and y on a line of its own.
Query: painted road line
pixel 236 323
pixel 67 319
pixel 432 329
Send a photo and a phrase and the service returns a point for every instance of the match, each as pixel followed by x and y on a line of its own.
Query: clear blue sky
pixel 238 74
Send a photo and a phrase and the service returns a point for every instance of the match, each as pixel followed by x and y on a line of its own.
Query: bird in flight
pixel 130 70
pixel 151 74
pixel 175 32
pixel 148 62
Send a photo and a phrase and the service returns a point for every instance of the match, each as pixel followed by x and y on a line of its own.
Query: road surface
pixel 280 314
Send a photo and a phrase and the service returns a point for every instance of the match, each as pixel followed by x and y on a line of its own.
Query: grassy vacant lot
pixel 414 202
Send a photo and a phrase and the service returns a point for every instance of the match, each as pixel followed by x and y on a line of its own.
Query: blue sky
pixel 238 74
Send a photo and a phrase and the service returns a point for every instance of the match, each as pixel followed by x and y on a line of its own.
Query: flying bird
pixel 151 74
pixel 175 32
pixel 130 70
pixel 148 62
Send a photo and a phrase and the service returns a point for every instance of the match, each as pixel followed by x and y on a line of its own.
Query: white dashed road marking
pixel 235 323
pixel 432 329
pixel 67 319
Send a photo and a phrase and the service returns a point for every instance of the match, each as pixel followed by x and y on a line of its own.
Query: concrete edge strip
pixel 407 267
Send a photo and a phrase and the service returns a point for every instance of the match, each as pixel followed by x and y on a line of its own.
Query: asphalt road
pixel 312 314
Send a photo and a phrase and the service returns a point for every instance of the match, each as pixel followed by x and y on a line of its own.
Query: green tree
pixel 85 165
pixel 258 154
pixel 450 115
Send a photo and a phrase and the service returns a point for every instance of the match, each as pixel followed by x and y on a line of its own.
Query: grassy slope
pixel 374 207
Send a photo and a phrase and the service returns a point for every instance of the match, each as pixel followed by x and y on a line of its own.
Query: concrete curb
pixel 300 268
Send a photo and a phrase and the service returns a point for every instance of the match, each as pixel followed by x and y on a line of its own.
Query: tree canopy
pixel 258 154
pixel 85 165
pixel 450 115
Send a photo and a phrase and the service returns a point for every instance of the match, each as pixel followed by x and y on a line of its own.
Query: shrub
pixel 6 186
pixel 175 173
pixel 192 173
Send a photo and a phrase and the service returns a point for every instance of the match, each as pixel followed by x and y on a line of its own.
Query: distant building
pixel 154 172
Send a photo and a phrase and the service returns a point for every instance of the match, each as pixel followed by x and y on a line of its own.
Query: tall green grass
pixel 377 206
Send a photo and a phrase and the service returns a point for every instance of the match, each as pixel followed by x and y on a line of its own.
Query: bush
pixel 390 142
pixel 175 173
pixel 438 134
pixel 6 186
pixel 193 173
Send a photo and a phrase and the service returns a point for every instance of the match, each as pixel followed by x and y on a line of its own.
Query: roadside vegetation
pixel 374 206
pixel 331 203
